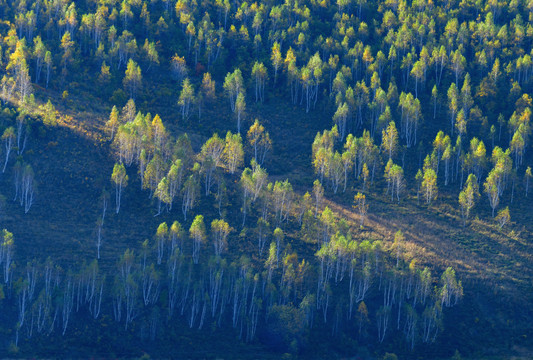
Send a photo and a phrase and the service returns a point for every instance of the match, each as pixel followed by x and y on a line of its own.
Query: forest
pixel 274 179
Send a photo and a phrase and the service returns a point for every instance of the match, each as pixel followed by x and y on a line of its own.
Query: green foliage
pixel 49 114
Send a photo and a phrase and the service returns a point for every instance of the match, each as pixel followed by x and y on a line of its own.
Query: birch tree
pixel 468 196
pixel 6 254
pixel 190 193
pixel 259 140
pixel 161 239
pixel 120 179
pixel 429 185
pixel 186 98
pixel 27 188
pixel 361 207
pixel 527 178
pixel 259 73
pixel 113 122
pixel 240 109
pixel 233 85
pixel 162 194
pixel 220 230
pixel 210 157
pixel 389 141
pixel 9 139
pixel 175 178
pixel 491 188
pixel 503 217
pixel 100 223
pixel 233 154
pixel 276 59
pixel 197 234
pixel 133 78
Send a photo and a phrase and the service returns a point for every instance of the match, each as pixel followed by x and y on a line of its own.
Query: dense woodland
pixel 274 179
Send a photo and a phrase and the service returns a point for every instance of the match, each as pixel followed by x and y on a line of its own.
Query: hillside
pixel 264 180
pixel 76 168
